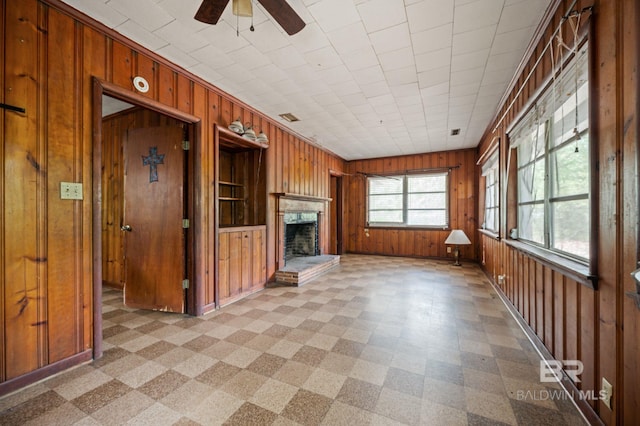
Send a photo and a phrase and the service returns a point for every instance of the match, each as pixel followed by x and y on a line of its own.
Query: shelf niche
pixel 242 191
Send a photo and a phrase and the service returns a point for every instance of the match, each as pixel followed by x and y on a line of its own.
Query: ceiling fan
pixel 211 10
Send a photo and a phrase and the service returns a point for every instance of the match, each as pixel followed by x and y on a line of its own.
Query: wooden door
pixel 154 246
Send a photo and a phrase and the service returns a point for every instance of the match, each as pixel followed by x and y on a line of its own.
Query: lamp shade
pixel 457 237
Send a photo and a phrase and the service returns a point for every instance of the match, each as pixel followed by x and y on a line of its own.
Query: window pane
pixel 427 217
pixel 391 216
pixel 532 145
pixel 385 202
pixel 427 183
pixel 385 185
pixel 571 227
pixel 489 219
pixel 427 201
pixel 531 182
pixel 531 222
pixel 570 169
pixel 565 119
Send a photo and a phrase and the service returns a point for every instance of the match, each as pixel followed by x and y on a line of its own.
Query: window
pixel 552 145
pixel 491 194
pixel 408 200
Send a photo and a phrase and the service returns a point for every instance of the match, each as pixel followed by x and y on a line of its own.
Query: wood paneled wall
pixel 51 54
pixel 599 327
pixel 413 242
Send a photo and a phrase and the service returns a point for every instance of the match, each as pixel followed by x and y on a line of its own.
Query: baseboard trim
pixel 45 372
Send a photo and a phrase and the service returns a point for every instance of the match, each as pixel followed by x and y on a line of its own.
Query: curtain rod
pixel 408 171
pixel 544 51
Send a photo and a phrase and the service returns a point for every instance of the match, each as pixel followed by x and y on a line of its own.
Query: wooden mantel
pixel 299 196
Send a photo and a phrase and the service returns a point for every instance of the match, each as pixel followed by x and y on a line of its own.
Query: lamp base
pixel 456 256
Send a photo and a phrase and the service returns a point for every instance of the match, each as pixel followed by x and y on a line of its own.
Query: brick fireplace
pixel 300 230
pixel 299 226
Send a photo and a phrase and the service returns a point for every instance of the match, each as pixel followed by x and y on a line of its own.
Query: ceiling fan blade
pixel 210 11
pixel 284 14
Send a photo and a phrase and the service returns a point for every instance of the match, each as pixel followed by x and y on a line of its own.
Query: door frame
pixel 193 240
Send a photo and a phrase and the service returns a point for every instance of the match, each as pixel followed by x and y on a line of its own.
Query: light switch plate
pixel 70 191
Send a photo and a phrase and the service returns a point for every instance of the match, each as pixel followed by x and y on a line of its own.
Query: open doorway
pixel 144 165
pixel 336 214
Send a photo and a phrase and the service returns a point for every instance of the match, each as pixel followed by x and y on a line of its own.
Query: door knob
pixel 125 228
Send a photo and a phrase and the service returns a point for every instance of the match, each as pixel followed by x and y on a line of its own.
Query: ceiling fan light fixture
pixel 242 8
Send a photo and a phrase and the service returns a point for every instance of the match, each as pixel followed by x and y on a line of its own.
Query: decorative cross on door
pixel 152 160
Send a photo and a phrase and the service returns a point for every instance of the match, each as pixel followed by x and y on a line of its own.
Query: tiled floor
pixel 377 340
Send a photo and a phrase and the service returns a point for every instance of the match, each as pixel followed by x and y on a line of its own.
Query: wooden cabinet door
pixel 154 246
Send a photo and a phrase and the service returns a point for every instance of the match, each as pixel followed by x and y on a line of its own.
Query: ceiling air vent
pixel 455 132
pixel 289 117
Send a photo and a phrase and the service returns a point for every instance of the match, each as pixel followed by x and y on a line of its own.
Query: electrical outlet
pixel 70 191
pixel 448 249
pixel 501 279
pixel 606 393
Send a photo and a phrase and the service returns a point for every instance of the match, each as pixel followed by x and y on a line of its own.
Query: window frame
pixel 405 200
pixel 534 247
pixel 491 169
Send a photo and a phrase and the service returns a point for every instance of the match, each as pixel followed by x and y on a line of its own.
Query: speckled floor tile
pixel 377 340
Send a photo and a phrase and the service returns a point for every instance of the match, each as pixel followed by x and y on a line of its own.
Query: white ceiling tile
pixel 432 39
pixel 349 39
pixel 146 38
pixel 497 76
pixel 471 76
pixel 508 60
pixel 401 76
pixel 473 40
pixel 360 60
pixel 267 37
pixel 270 73
pixel 434 77
pixel 334 14
pixel 522 15
pixel 369 75
pixel 181 36
pixel 223 37
pixel 287 57
pixel 380 14
pixel 311 38
pixel 177 56
pixel 323 58
pixel 436 89
pixel 404 90
pixel 99 11
pixel 213 57
pixel 396 59
pixel 335 75
pixel 148 14
pixel 511 41
pixel 346 88
pixel 391 39
pixel 433 60
pixel 205 72
pixel 469 60
pixel 375 89
pixel 476 15
pixel 429 14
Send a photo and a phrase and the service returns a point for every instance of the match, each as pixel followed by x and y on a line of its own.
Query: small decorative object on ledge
pixel 237 127
pixel 457 238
